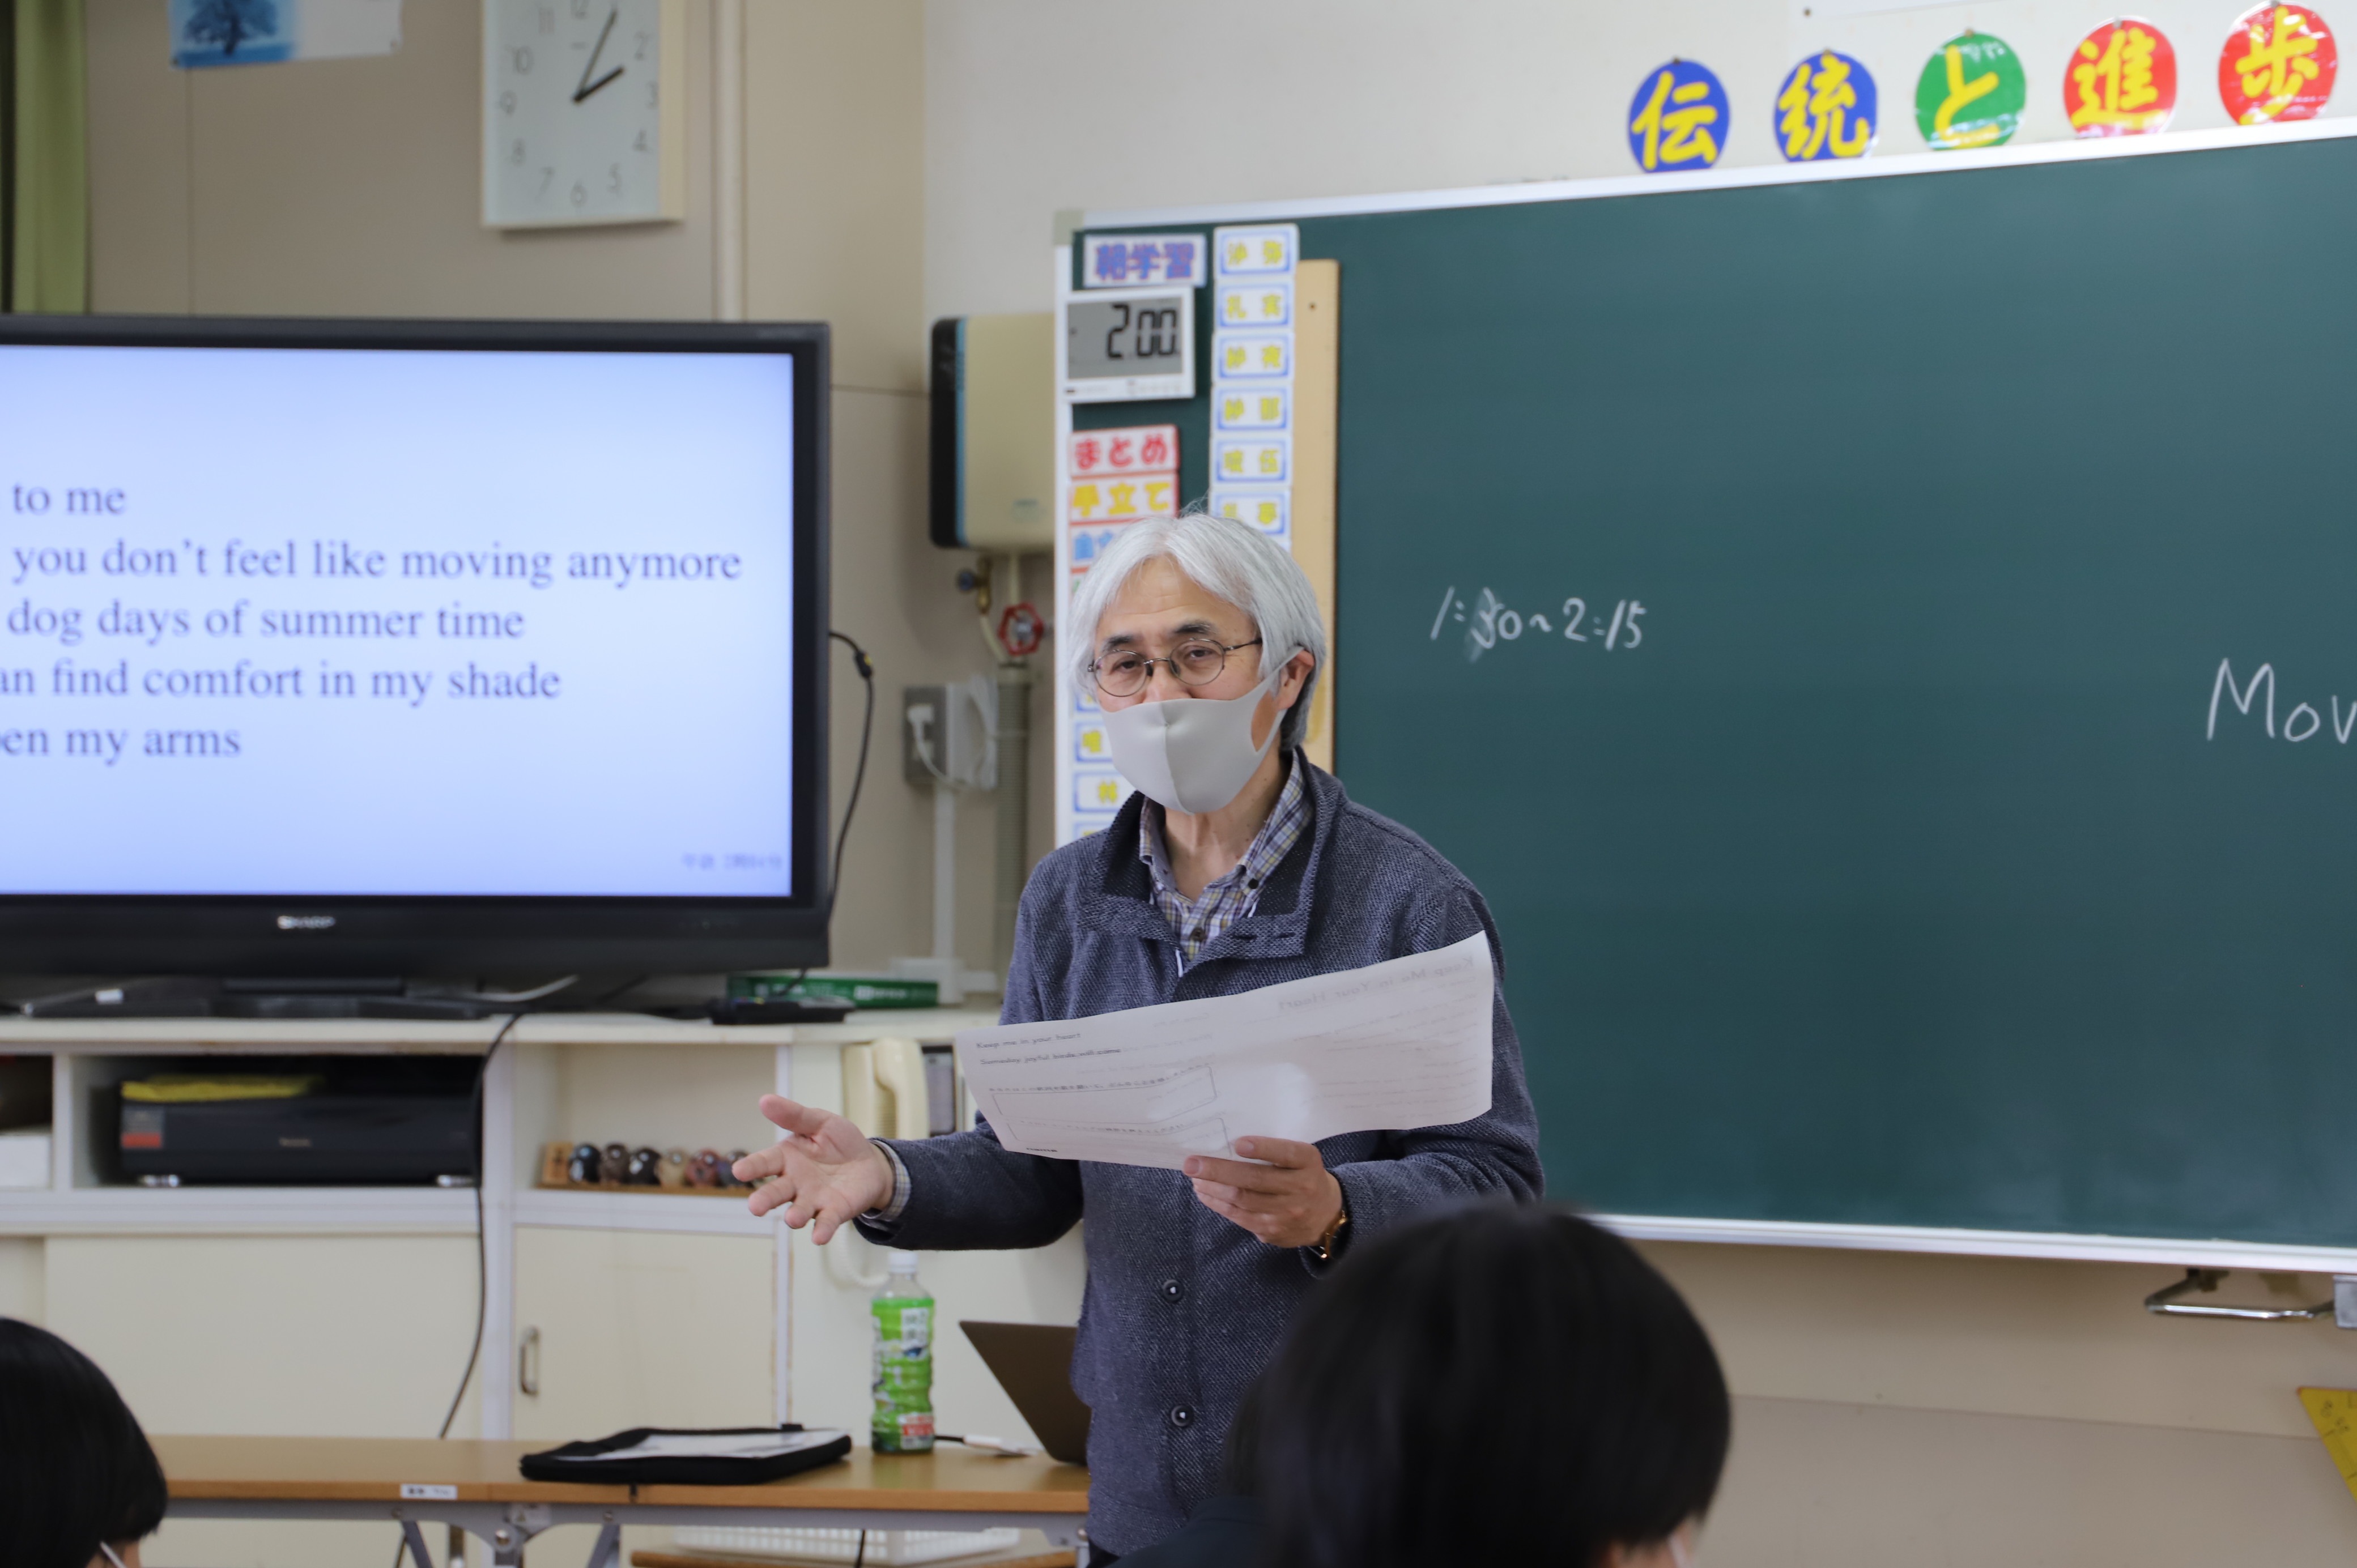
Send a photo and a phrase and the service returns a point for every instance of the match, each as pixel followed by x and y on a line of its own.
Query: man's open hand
pixel 1288 1202
pixel 823 1172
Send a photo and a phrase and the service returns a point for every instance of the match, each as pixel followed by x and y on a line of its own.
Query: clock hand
pixel 587 87
pixel 594 86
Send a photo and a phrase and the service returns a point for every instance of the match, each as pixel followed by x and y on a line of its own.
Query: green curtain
pixel 44 157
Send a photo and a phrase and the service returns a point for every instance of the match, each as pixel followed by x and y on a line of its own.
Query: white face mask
pixel 1191 754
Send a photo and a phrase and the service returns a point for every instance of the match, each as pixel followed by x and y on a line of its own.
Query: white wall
pixel 350 188
pixel 906 160
pixel 1033 106
pixel 1891 1409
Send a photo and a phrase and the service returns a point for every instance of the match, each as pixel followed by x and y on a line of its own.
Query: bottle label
pixel 903 1380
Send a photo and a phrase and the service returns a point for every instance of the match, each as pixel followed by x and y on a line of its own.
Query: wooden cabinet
pixel 642 1328
pixel 349 1311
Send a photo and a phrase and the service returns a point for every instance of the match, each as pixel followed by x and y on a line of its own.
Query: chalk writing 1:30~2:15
pixel 1488 622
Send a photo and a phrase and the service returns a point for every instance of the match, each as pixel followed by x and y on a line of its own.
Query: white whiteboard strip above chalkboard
pixel 1805 12
pixel 2058 1245
pixel 1733 179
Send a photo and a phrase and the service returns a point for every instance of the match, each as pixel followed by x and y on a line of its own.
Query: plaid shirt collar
pixel 1199 921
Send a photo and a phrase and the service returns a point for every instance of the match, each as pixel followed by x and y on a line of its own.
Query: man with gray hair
pixel 1237 864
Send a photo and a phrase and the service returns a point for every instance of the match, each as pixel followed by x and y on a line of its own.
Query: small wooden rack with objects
pixel 617 1167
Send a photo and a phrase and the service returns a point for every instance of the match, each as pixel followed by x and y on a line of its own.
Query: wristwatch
pixel 1327 1245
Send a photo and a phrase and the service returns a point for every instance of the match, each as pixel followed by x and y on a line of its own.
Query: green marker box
pixel 859 990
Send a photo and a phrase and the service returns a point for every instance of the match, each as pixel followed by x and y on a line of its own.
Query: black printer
pixel 340 1120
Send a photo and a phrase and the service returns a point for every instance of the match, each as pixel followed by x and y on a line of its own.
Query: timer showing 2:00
pixel 1487 621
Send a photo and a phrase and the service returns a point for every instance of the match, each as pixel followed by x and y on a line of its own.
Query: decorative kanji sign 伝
pixel 2278 64
pixel 1678 119
pixel 1970 94
pixel 2122 80
pixel 1826 109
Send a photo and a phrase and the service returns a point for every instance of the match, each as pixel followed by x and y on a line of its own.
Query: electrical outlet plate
pixel 922 708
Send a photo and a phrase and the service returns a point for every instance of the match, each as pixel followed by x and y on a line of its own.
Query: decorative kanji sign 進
pixel 2278 64
pixel 2122 80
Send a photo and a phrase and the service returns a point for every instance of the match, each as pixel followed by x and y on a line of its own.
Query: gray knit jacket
pixel 1183 1307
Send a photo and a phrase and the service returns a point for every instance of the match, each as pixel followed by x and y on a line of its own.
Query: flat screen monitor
pixel 452 648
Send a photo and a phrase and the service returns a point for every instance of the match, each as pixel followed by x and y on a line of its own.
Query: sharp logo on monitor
pixel 307 922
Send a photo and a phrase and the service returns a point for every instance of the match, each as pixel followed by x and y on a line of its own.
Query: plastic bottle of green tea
pixel 904 1360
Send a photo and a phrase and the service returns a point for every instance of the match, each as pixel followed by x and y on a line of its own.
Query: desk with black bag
pixel 481 1487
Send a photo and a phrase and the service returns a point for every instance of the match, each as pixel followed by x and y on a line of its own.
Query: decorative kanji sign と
pixel 1970 94
pixel 2122 80
pixel 2278 64
pixel 1678 119
pixel 1826 109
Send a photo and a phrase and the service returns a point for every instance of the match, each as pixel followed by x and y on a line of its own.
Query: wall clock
pixel 584 111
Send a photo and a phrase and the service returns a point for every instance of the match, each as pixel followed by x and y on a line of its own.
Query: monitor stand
pixel 199 996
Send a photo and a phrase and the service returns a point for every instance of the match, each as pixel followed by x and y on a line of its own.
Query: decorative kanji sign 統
pixel 2122 80
pixel 1678 119
pixel 2278 64
pixel 1826 109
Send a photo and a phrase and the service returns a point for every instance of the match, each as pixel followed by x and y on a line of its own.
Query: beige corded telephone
pixel 884 1089
pixel 884 1097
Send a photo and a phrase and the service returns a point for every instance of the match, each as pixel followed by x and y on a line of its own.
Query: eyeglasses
pixel 1196 662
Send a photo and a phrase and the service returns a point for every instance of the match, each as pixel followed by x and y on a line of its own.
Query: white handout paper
pixel 1401 1044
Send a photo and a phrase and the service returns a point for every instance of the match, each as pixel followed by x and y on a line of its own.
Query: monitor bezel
pixel 245 935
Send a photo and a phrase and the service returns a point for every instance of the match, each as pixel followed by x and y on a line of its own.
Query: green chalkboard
pixel 1895 875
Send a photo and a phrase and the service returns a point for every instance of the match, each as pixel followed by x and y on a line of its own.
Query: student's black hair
pixel 1495 1384
pixel 75 1469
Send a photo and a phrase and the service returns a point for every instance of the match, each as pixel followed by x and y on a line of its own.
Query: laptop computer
pixel 1033 1362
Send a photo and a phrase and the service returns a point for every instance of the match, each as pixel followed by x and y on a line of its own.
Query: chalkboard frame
pixel 2071 1245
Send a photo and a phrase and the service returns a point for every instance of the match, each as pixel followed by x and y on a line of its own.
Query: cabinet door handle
pixel 528 1363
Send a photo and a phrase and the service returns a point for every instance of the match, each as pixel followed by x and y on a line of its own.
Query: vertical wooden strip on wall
pixel 1316 378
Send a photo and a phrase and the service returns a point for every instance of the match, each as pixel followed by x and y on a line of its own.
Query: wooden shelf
pixel 104 1036
pixel 330 1210
pixel 347 1210
pixel 622 1209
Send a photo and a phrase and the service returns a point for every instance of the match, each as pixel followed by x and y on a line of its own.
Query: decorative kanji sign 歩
pixel 2278 64
pixel 2122 80
pixel 1970 94
pixel 1826 109
pixel 1678 119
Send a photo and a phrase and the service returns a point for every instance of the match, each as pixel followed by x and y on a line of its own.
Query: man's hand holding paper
pixel 1401 1044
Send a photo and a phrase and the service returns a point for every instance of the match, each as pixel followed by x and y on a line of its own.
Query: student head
pixel 77 1476
pixel 1495 1384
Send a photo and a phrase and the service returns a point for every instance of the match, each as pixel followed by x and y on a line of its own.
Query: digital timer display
pixel 1129 346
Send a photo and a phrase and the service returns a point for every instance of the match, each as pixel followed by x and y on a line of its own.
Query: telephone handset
pixel 884 1096
pixel 884 1089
